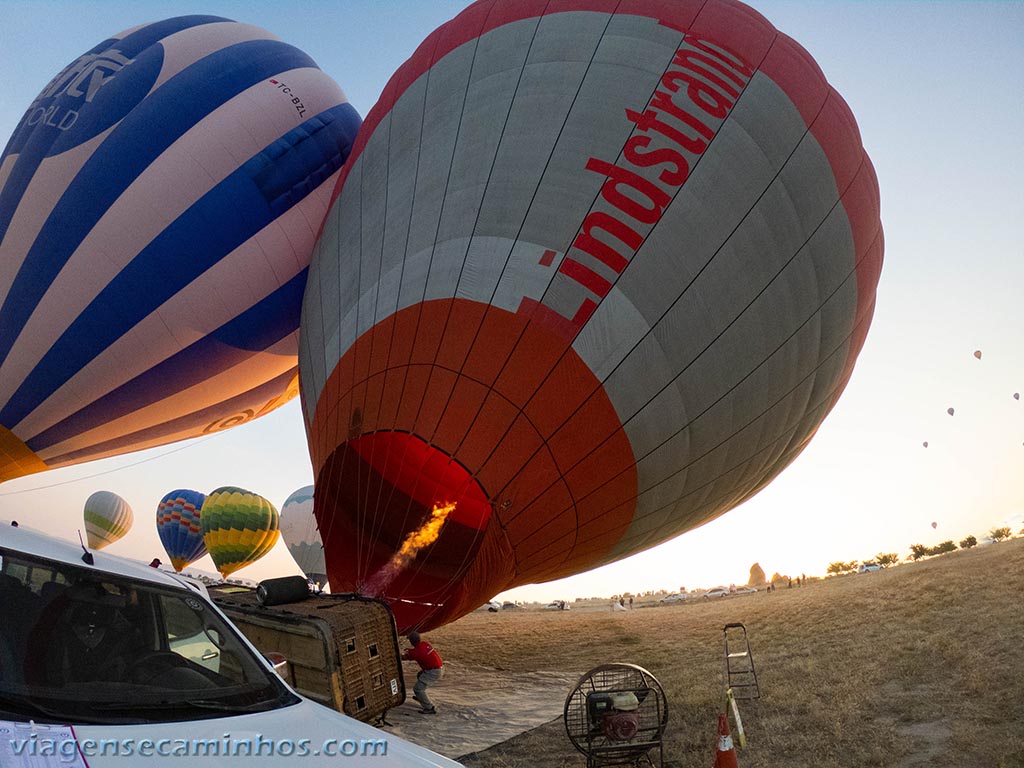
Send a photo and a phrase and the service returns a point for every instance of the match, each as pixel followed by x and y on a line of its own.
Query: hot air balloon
pixel 298 529
pixel 935 525
pixel 107 518
pixel 593 276
pixel 239 527
pixel 977 354
pixel 1016 395
pixel 159 201
pixel 925 443
pixel 180 527
pixel 949 411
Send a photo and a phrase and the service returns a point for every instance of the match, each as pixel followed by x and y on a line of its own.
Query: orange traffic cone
pixel 725 754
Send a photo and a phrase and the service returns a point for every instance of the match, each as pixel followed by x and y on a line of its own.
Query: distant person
pixel 631 602
pixel 431 669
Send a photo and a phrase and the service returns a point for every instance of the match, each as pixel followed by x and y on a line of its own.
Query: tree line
pixel 917 552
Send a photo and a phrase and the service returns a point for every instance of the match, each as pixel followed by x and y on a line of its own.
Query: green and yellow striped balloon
pixel 107 518
pixel 239 527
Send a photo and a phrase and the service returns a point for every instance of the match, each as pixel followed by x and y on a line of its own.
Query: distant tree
pixel 757 577
pixel 943 548
pixel 917 551
pixel 969 542
pixel 840 567
pixel 998 534
pixel 885 559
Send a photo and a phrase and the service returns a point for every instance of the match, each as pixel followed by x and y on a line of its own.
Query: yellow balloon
pixel 239 527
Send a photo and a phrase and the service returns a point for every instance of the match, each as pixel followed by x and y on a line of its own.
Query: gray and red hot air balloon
pixel 594 273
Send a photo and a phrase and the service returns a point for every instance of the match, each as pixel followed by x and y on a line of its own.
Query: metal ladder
pixel 740 675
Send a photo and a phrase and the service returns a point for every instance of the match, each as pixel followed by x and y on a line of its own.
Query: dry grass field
pixel 918 665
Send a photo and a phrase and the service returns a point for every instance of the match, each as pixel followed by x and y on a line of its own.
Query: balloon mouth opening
pixel 413 469
pixel 414 516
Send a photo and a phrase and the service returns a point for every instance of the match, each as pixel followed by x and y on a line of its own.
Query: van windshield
pixel 78 645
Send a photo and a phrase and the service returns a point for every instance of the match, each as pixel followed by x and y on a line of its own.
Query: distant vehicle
pixel 675 597
pixel 129 654
pixel 493 606
pixel 866 568
pixel 509 606
pixel 745 590
pixel 557 605
pixel 717 592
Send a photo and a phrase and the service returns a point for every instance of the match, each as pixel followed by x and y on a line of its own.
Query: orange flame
pixel 423 536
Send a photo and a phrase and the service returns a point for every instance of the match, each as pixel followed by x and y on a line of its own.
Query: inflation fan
pixel 616 715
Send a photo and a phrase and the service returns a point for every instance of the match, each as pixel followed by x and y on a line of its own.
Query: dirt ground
pixel 479 707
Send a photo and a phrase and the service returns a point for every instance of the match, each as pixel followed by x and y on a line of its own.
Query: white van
pixel 107 662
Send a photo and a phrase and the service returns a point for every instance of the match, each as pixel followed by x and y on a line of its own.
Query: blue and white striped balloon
pixel 159 202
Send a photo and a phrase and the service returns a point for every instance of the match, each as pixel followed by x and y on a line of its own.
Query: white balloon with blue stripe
pixel 159 202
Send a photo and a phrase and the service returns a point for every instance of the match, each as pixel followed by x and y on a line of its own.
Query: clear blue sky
pixel 938 91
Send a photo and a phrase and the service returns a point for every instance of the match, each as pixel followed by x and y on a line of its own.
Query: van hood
pixel 304 734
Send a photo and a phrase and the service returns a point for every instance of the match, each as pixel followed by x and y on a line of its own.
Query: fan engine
pixel 616 715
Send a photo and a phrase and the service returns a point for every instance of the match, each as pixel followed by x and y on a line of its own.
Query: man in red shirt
pixel 431 668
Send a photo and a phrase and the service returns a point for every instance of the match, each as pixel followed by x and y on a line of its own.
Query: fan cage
pixel 588 703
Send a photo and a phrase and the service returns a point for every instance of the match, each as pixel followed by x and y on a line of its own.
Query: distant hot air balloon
pixel 949 411
pixel 239 527
pixel 159 201
pixel 298 529
pixel 977 353
pixel 1016 395
pixel 935 525
pixel 107 518
pixel 180 527
pixel 925 443
pixel 606 268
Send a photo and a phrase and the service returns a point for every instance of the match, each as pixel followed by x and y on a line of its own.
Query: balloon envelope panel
pixel 107 518
pixel 239 527
pixel 179 523
pixel 159 201
pixel 596 273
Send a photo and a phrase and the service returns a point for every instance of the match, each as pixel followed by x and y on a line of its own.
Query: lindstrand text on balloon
pixel 715 95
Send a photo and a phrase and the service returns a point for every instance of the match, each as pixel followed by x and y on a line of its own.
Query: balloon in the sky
pixel 239 527
pixel 298 529
pixel 935 525
pixel 949 411
pixel 178 521
pixel 977 353
pixel 107 518
pixel 159 201
pixel 1016 395
pixel 596 276
pixel 925 443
